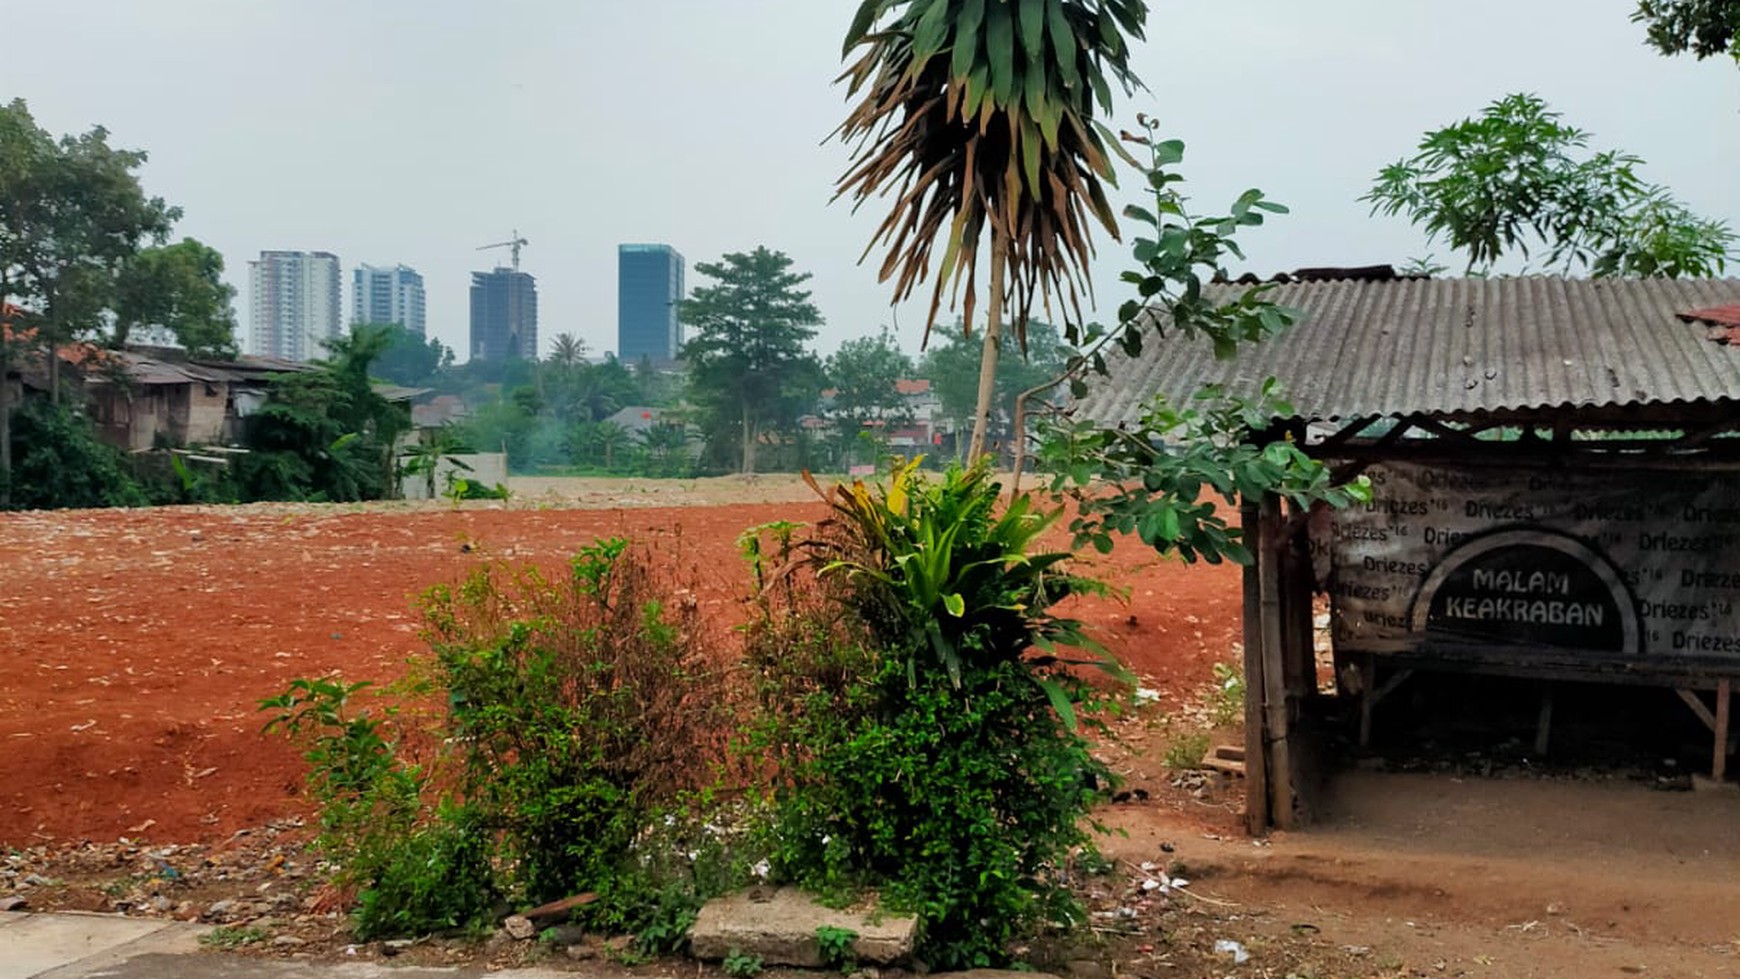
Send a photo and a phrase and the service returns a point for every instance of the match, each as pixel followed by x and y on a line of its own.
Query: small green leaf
pixel 956 605
pixel 1059 700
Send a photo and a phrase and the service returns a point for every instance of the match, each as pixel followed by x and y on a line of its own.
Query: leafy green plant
pixel 572 733
pixel 58 461
pixel 460 488
pixel 942 577
pixel 416 871
pixel 1186 751
pixel 737 965
pixel 574 704
pixel 232 936
pixel 954 791
pixel 1227 698
pixel 835 945
pixel 1166 477
pixel 1171 477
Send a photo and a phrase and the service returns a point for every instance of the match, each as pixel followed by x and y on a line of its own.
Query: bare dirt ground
pixel 137 644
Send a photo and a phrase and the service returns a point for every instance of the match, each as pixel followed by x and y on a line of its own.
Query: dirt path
pixel 1428 875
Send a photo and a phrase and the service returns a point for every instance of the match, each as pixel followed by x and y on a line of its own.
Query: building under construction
pixel 504 315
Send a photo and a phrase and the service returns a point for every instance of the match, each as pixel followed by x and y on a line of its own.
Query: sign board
pixel 1631 565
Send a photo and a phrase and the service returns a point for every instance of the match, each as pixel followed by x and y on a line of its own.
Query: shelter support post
pixel 1372 694
pixel 1719 769
pixel 1277 706
pixel 1717 721
pixel 1256 767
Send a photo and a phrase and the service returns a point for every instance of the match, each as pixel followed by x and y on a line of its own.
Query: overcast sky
pixel 416 130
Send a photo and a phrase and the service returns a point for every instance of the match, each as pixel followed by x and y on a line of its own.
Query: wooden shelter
pixel 1555 466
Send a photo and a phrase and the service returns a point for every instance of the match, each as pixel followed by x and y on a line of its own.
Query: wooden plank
pixel 1719 770
pixel 1277 721
pixel 1697 705
pixel 1256 769
pixel 1544 725
pixel 1367 684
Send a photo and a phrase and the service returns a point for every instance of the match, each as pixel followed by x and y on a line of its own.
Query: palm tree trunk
pixel 993 346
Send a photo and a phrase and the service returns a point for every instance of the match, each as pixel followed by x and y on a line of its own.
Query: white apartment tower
pixel 294 304
pixel 388 295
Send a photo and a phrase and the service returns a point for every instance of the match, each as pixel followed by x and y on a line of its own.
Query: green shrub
pixel 573 702
pixel 579 719
pixel 58 461
pixel 919 752
pixel 1186 751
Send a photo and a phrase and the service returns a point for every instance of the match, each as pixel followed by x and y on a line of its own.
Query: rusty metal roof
pixel 1451 346
pixel 1715 316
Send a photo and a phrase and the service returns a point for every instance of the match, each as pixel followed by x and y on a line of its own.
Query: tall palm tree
pixel 976 115
pixel 569 350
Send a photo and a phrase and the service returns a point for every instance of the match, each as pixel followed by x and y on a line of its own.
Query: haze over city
pixel 392 131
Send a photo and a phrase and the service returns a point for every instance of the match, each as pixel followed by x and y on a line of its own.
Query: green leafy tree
pixel 1706 28
pixel 88 218
pixel 951 367
pixel 979 115
pixel 409 357
pixel 749 367
pixel 324 434
pixel 1517 178
pixel 864 373
pixel 179 287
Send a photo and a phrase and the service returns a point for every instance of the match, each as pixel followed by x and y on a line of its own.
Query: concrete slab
pixel 32 944
pixel 780 927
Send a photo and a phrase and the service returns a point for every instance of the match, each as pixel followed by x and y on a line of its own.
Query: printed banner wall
pixel 1611 563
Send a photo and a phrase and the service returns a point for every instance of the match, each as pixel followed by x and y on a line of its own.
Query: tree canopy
pixel 1518 180
pixel 1705 28
pixel 863 374
pixel 750 367
pixel 180 288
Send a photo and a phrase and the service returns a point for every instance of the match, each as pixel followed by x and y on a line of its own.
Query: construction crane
pixel 514 243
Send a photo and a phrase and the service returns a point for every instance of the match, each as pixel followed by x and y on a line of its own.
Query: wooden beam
pixel 1256 769
pixel 1697 705
pixel 1277 720
pixel 1719 769
pixel 1544 724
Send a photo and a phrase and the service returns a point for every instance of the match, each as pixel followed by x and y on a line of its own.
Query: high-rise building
pixel 649 287
pixel 504 315
pixel 293 304
pixel 388 295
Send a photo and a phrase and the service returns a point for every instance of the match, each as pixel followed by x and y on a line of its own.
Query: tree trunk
pixel 988 359
pixel 748 442
pixel 5 410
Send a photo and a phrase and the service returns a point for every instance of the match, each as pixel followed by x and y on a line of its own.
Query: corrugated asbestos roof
pixel 1447 346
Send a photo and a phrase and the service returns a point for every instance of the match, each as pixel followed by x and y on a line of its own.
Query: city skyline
pixel 1269 94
